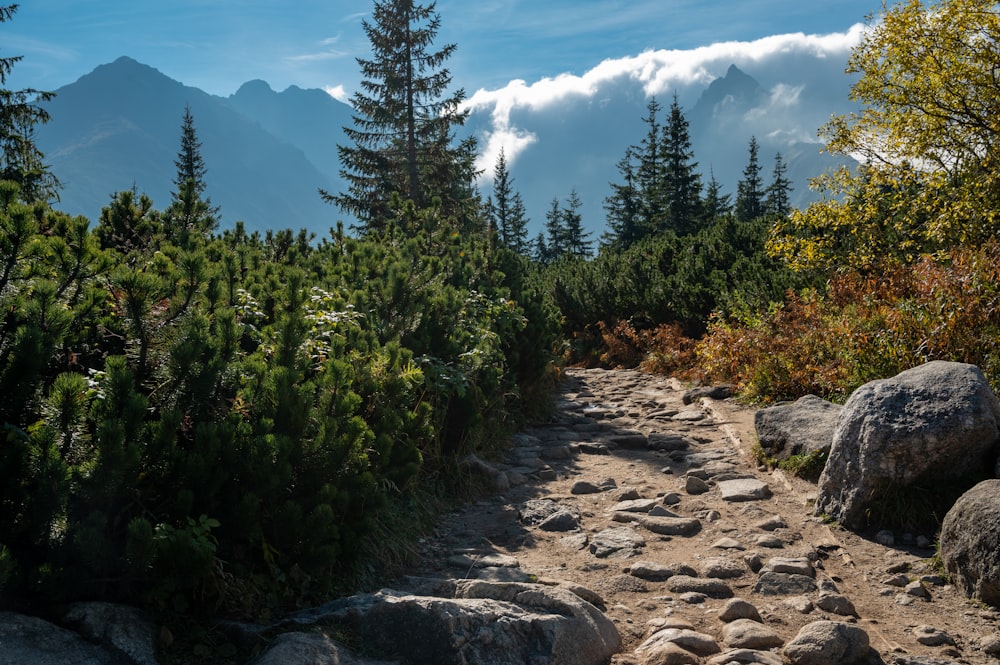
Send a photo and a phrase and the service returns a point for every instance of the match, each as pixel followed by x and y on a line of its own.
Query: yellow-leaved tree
pixel 927 138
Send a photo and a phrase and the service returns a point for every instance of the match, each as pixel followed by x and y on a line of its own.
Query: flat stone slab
pixel 635 506
pixel 710 587
pixel 744 489
pixel 671 526
pixel 784 584
pixel 616 541
pixel 658 572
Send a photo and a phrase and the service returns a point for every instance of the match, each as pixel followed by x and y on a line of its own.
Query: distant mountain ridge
pixel 267 152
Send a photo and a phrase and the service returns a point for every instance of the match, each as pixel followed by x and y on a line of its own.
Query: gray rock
pixel 722 568
pixel 692 598
pixel 536 511
pixel 940 420
pixel 671 499
pixel 796 565
pixel 728 543
pixel 990 644
pixel 668 442
pixel 616 541
pixel 475 621
pixel 575 542
pixel 119 628
pixel 629 440
pixel 25 640
pixel 769 541
pixel 772 523
pixel 560 521
pixel 711 392
pixel 474 466
pixel 748 634
pixel 744 489
pixel 586 487
pixel 802 427
pixel 556 453
pixel 694 485
pixel 658 572
pixel 784 584
pixel 835 603
pixel 308 649
pixel 667 653
pixel 885 537
pixel 800 604
pixel 635 505
pixel 931 636
pixel 745 656
pixel 660 511
pixel 970 540
pixel 917 590
pixel 737 608
pixel 827 643
pixel 899 580
pixel 689 416
pixel 710 587
pixel 671 526
pixel 906 659
pixel 697 643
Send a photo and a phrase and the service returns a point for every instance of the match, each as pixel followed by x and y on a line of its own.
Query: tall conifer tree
pixel 778 200
pixel 750 190
pixel 681 180
pixel 404 123
pixel 623 207
pixel 20 111
pixel 507 212
pixel 190 214
pixel 578 242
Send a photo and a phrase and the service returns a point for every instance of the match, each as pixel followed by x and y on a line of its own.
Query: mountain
pixel 119 127
pixel 268 152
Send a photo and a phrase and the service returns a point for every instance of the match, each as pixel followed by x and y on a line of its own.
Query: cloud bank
pixel 660 73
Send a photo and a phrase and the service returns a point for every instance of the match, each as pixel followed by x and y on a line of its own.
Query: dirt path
pixel 672 554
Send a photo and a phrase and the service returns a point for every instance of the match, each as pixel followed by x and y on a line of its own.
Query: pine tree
pixel 555 232
pixel 778 200
pixel 190 215
pixel 540 249
pixel 506 211
pixel 20 159
pixel 681 182
pixel 715 204
pixel 578 242
pixel 404 124
pixel 650 172
pixel 750 190
pixel 623 207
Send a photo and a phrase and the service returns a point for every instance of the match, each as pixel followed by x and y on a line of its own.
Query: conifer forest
pixel 206 422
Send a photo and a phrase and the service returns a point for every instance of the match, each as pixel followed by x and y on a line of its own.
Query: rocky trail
pixel 644 499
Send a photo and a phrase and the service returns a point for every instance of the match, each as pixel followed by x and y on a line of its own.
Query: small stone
pixel 923 542
pixel 897 567
pixel 797 566
pixel 827 643
pixel 899 580
pixel 689 416
pixel 560 521
pixel 990 644
pixel 769 541
pixel 693 641
pixel 772 523
pixel 784 584
pixel 710 587
pixel 933 580
pixel 745 657
pixel 692 598
pixel 917 590
pixel 671 526
pixel 744 489
pixel 634 505
pixel 737 608
pixel 885 537
pixel 836 604
pixel 668 442
pixel 668 654
pixel 628 494
pixel 616 541
pixel 932 637
pixel 904 599
pixel 671 499
pixel 694 485
pixel 753 561
pixel 728 544
pixel 585 487
pixel 721 568
pixel 547 474
pixel 660 511
pixel 556 453
pixel 800 604
pixel 575 542
pixel 747 634
pixel 658 572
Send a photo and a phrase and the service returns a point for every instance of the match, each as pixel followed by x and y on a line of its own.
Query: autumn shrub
pixel 864 327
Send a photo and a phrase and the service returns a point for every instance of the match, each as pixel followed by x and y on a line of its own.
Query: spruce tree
pixel 578 244
pixel 650 172
pixel 715 204
pixel 506 211
pixel 190 214
pixel 778 200
pixel 555 232
pixel 623 207
pixel 404 124
pixel 20 111
pixel 681 180
pixel 750 190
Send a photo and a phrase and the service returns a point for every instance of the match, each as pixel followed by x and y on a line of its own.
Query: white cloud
pixel 658 72
pixel 337 92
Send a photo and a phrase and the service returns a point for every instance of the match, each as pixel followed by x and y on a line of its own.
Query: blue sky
pixel 217 45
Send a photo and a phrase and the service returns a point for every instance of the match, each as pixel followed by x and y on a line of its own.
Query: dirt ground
pixel 603 432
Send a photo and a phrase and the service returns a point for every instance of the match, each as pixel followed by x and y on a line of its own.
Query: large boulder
pixel 937 423
pixel 25 639
pixel 828 643
pixel 970 542
pixel 473 621
pixel 802 427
